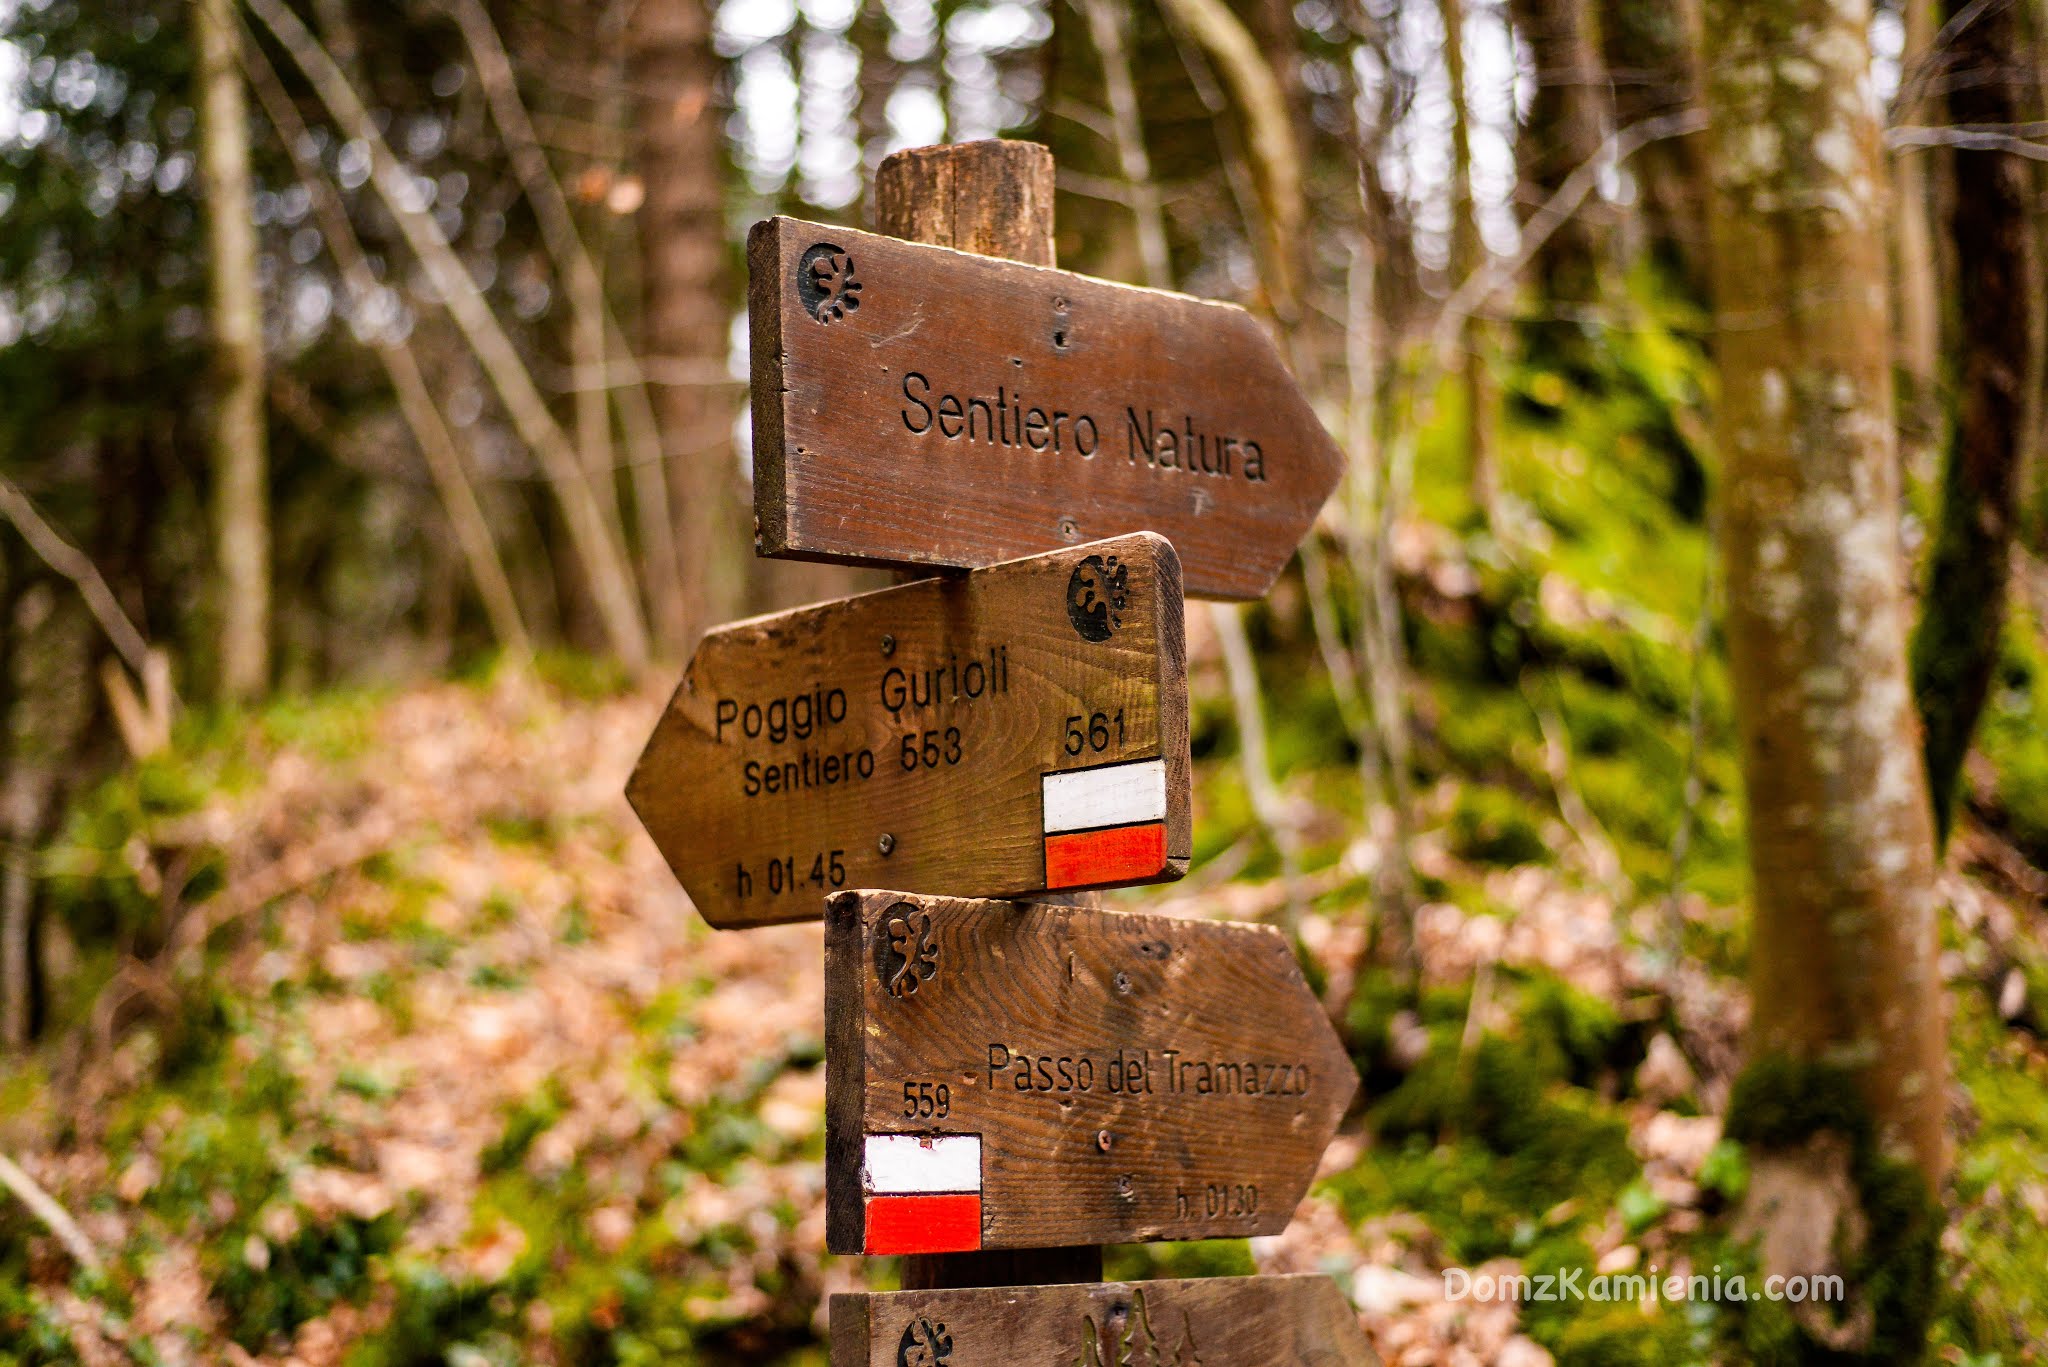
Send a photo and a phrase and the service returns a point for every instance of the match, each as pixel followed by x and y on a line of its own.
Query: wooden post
pixel 1002 1267
pixel 991 198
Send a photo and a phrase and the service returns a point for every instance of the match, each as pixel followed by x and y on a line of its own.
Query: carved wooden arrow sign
pixel 915 405
pixel 1017 729
pixel 1004 1075
pixel 1302 1321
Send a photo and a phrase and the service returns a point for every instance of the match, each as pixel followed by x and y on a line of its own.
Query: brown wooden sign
pixel 1301 1321
pixel 1017 729
pixel 916 405
pixel 1005 1075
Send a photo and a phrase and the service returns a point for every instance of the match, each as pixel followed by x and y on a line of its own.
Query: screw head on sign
pixel 887 844
pixel 1103 1139
pixel 888 645
pixel 1122 981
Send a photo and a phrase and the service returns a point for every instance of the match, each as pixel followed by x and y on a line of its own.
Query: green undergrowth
pixel 1573 621
pixel 1513 1145
pixel 1995 1312
pixel 1581 613
pixel 1779 1106
pixel 2013 737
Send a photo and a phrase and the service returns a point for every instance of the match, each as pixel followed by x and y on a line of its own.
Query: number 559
pixel 927 1101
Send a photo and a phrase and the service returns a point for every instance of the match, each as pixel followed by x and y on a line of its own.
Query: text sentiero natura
pixel 1006 419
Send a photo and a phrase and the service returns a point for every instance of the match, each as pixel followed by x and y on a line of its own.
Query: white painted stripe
pixel 902 1164
pixel 1116 795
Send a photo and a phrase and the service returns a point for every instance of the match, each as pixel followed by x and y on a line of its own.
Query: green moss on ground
pixel 1779 1104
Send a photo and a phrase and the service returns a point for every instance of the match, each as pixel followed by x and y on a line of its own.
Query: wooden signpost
pixel 1003 1075
pixel 1009 1085
pixel 1017 729
pixel 1211 1322
pixel 916 405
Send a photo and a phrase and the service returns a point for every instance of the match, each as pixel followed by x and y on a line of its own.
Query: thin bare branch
pixel 415 399
pixel 620 371
pixel 1268 806
pixel 1376 489
pixel 54 1217
pixel 602 557
pixel 1555 213
pixel 596 332
pixel 67 560
pixel 1268 126
pixel 1602 861
pixel 1915 137
pixel 1106 30
pixel 1087 116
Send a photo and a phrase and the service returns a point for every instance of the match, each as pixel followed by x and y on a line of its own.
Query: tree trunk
pixel 1651 52
pixel 1467 252
pixel 1956 646
pixel 1567 122
pixel 15 890
pixel 1916 283
pixel 1259 88
pixel 686 310
pixel 237 438
pixel 1843 1097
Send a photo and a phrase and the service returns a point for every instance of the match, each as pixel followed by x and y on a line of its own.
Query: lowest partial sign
pixel 1301 1321
pixel 916 405
pixel 1018 729
pixel 1002 1075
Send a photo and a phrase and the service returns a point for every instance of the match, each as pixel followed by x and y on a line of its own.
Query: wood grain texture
pixel 1131 1077
pixel 993 198
pixel 902 736
pixel 921 406
pixel 1300 1321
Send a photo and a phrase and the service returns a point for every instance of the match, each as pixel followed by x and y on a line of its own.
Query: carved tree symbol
pixel 913 956
pixel 834 285
pixel 1138 1345
pixel 925 1343
pixel 1097 594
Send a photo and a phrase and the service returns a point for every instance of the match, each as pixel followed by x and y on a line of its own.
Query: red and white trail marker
pixel 1005 1075
pixel 1105 824
pixel 923 1192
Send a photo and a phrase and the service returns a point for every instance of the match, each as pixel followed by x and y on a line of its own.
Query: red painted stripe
pixel 924 1224
pixel 1118 855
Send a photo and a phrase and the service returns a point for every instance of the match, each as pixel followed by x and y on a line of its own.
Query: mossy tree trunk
pixel 1985 74
pixel 1842 956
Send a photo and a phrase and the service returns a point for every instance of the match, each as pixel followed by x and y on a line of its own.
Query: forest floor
pixel 442 1068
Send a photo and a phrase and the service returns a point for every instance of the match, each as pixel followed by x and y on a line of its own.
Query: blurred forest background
pixel 373 448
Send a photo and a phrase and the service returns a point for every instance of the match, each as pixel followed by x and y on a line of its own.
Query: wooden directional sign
pixel 1004 1075
pixel 1018 729
pixel 1300 1321
pixel 915 405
